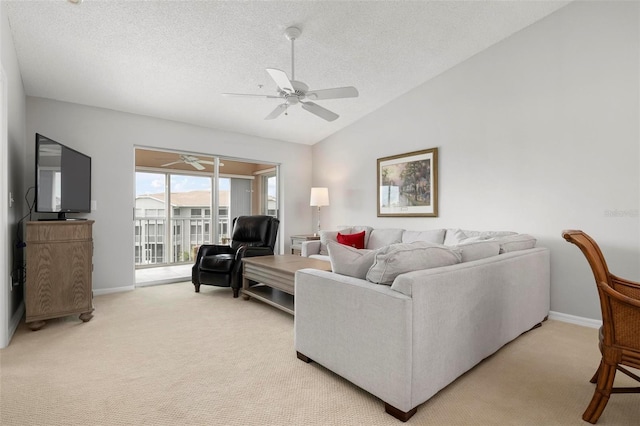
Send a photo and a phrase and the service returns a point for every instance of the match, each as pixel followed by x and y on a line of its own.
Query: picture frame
pixel 408 184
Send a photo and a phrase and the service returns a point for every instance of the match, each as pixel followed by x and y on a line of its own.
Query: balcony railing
pixel 187 235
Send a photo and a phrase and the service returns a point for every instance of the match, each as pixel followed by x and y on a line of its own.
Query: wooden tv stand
pixel 59 268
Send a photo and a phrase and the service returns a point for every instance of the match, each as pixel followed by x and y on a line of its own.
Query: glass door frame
pixel 214 200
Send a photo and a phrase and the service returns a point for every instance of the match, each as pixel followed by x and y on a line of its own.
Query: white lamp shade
pixel 319 197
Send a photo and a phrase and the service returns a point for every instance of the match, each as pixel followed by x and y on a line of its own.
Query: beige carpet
pixel 165 355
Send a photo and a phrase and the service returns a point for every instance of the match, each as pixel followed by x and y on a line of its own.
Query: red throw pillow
pixel 353 240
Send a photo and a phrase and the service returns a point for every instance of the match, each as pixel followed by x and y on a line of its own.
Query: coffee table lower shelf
pixel 275 278
pixel 271 296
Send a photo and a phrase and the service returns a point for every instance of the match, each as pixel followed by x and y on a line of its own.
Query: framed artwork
pixel 408 184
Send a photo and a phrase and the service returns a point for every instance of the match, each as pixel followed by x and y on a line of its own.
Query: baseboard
pixel 585 322
pixel 100 292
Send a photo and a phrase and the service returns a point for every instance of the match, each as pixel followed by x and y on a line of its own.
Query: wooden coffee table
pixel 275 276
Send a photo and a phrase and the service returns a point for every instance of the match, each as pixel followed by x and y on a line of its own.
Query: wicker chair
pixel 620 331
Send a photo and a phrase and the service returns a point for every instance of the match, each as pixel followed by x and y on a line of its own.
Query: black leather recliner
pixel 221 265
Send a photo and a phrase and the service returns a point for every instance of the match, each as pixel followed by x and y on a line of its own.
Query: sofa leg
pixel 303 357
pixel 236 292
pixel 197 286
pixel 399 414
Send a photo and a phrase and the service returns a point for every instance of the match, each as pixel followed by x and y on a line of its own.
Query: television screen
pixel 63 178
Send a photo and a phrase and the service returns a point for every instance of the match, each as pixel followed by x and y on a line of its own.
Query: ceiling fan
pixel 294 92
pixel 191 160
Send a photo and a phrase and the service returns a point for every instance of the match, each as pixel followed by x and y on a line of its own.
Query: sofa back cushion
pixel 431 236
pixel 478 250
pixel 383 237
pixel 399 258
pixel 350 261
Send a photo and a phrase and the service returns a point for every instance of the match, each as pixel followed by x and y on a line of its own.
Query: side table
pixel 297 240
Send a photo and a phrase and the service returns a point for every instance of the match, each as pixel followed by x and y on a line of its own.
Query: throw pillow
pixel 352 240
pixel 399 258
pixel 478 250
pixel 384 237
pixel 349 261
pixel 516 242
pixel 327 236
pixel 454 236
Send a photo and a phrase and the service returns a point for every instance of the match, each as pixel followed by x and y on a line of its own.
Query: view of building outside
pixel 173 233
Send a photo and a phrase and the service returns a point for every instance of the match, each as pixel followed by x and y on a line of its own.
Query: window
pixel 270 194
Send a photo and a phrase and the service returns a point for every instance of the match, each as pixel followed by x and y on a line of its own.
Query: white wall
pixel 11 182
pixel 109 138
pixel 537 134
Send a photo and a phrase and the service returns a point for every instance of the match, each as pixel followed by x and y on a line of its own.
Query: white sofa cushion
pixel 350 261
pixel 399 258
pixel 327 236
pixel 516 242
pixel 367 232
pixel 384 237
pixel 458 236
pixel 478 250
pixel 431 236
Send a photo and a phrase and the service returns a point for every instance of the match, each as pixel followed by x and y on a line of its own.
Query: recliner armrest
pixel 213 249
pixel 248 251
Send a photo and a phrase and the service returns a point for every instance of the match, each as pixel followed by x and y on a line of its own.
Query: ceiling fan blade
pixel 319 111
pixel 196 165
pixel 245 95
pixel 206 162
pixel 336 93
pixel 276 112
pixel 281 79
pixel 171 164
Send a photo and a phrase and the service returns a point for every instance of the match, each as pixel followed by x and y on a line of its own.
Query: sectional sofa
pixel 413 311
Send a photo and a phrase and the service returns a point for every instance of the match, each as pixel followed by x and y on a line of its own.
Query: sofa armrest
pixel 310 247
pixel 340 322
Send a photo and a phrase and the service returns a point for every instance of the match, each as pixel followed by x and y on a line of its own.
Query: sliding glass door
pixel 184 201
pixel 189 216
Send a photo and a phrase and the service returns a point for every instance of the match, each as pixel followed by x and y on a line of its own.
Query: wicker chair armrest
pixel 619 296
pixel 621 281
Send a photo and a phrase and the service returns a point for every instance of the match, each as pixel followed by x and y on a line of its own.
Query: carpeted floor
pixel 165 355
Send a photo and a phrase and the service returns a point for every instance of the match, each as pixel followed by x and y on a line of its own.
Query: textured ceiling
pixel 173 59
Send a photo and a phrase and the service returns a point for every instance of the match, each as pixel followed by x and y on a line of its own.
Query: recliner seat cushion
pixel 218 263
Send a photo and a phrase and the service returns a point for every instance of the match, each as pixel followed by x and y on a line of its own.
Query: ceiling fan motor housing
pixel 300 92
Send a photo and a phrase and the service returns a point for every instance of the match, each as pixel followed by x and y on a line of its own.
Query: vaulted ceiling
pixel 174 59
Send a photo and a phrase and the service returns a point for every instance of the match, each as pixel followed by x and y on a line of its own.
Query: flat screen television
pixel 63 179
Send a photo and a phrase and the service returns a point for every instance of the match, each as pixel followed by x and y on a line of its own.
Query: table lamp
pixel 319 197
